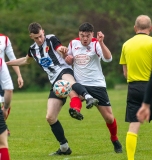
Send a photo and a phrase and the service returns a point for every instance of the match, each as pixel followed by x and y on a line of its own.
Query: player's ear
pixel 92 34
pixel 31 36
pixel 135 29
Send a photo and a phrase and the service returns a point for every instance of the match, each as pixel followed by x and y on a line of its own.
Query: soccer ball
pixel 62 88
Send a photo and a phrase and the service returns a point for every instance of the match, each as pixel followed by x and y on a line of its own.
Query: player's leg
pixel 135 96
pixel 105 110
pixel 53 108
pixel 131 139
pixel 7 85
pixel 4 153
pixel 80 90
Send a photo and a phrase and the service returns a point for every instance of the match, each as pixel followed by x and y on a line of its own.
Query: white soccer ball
pixel 62 88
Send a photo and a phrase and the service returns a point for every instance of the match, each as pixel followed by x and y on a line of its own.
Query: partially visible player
pixel 7 86
pixel 136 59
pixel 85 54
pixel 47 51
pixel 6 49
pixel 145 111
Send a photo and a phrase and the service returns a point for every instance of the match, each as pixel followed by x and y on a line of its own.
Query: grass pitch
pixel 32 139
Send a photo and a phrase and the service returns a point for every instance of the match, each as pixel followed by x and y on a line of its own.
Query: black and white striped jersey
pixel 47 57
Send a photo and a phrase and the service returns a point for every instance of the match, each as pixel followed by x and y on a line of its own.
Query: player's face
pixel 38 38
pixel 85 38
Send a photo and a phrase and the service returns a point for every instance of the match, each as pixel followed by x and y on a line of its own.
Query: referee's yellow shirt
pixel 137 55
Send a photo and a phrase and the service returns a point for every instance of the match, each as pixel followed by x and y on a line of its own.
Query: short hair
pixel 34 28
pixel 86 27
pixel 143 22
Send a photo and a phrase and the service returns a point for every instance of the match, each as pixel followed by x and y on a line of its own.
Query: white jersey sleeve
pixel 100 53
pixel 9 51
pixel 6 48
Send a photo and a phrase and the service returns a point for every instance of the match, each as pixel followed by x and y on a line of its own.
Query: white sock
pixel 87 96
pixel 64 147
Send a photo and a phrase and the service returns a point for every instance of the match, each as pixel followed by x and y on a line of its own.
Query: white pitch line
pixel 74 157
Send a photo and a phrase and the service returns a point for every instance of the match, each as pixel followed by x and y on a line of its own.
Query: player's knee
pixel 50 119
pixel 109 118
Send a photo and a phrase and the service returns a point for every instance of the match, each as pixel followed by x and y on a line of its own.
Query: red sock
pixel 113 130
pixel 76 103
pixel 4 154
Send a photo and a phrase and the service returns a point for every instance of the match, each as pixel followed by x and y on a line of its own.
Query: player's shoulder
pixel 49 36
pixel 2 35
pixel 94 39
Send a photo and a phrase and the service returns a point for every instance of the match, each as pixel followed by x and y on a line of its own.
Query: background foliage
pixel 114 18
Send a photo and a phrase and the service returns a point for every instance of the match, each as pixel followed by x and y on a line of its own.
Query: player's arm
pixel 124 66
pixel 20 61
pixel 105 50
pixel 62 50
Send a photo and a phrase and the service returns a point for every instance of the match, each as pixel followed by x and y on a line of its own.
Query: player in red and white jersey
pixel 47 51
pixel 7 50
pixel 7 86
pixel 85 54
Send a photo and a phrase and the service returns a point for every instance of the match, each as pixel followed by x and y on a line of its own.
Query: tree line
pixel 114 18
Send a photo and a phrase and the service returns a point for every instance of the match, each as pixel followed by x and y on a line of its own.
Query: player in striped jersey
pixel 85 54
pixel 48 52
pixel 7 86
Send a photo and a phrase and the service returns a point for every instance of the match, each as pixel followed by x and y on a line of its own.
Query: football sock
pixel 58 132
pixel 4 154
pixel 64 147
pixel 131 142
pixel 79 89
pixel 76 103
pixel 113 130
pixel 87 96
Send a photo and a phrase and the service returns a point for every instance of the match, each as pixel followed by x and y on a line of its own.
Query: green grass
pixel 32 139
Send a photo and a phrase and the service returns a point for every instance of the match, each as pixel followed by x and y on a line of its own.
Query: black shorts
pixel 1 92
pixel 136 91
pixel 3 125
pixel 99 93
pixel 52 94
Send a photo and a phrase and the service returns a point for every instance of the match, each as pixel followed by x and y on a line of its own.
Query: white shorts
pixel 5 78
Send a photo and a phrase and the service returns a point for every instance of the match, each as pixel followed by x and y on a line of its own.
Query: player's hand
pixel 20 82
pixel 143 113
pixel 69 59
pixel 100 36
pixel 62 49
pixel 5 112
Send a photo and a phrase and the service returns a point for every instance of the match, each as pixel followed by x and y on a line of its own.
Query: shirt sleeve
pixel 122 57
pixel 70 48
pixel 9 50
pixel 148 93
pixel 99 52
pixel 29 53
pixel 55 42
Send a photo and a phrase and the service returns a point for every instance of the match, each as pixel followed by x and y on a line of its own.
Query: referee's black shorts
pixel 136 91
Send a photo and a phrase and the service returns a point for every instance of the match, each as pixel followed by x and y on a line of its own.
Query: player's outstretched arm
pixel 20 61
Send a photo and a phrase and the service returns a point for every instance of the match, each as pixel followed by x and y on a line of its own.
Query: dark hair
pixel 86 27
pixel 34 28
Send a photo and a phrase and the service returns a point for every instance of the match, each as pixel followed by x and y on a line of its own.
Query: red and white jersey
pixel 6 48
pixel 86 65
pixel 5 78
